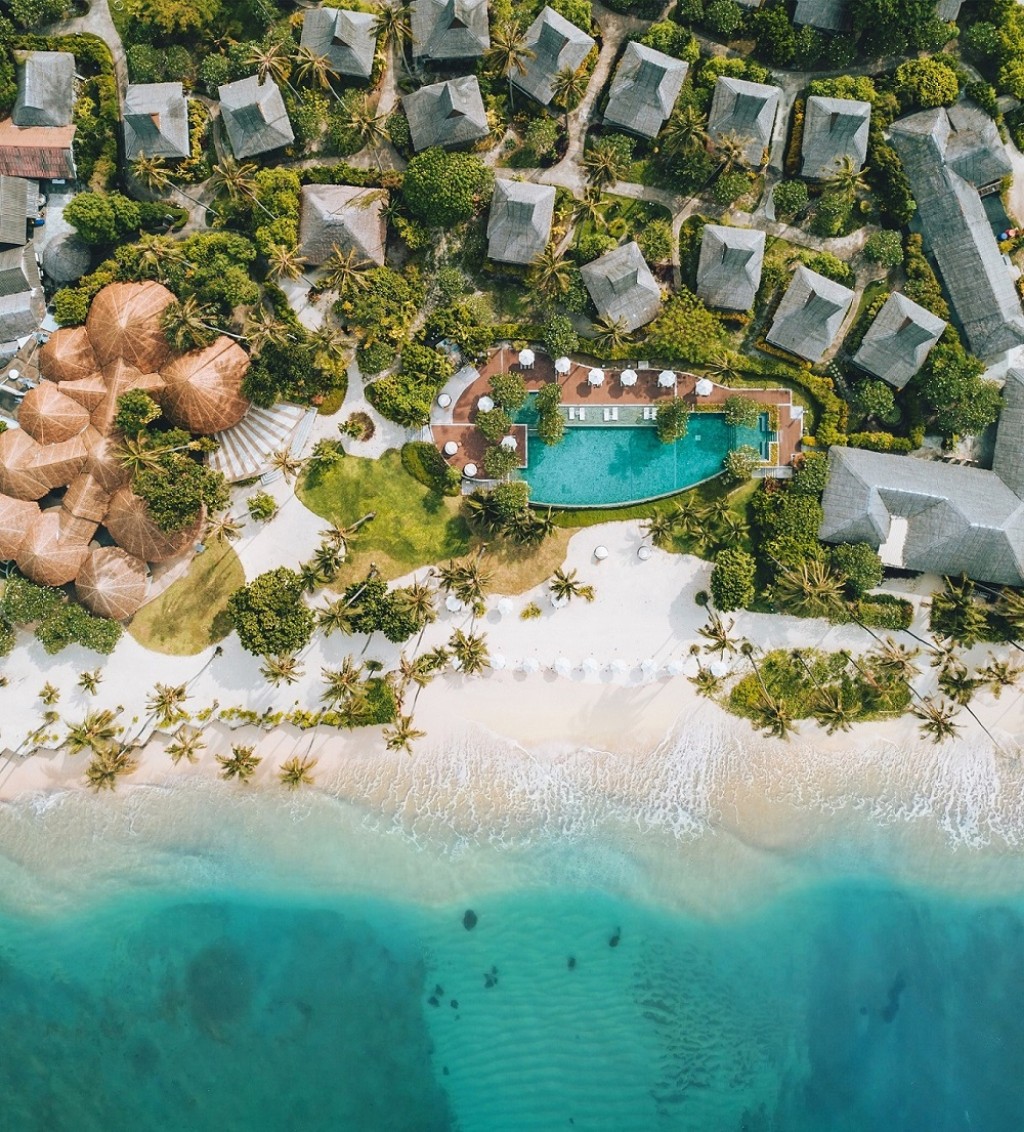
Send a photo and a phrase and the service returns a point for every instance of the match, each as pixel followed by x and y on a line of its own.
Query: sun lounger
pixel 615 412
pixel 583 413
pixel 572 412
pixel 607 413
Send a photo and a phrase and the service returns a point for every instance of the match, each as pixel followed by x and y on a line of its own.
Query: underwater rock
pixel 469 920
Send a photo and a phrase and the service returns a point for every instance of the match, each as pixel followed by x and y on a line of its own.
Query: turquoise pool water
pixel 598 465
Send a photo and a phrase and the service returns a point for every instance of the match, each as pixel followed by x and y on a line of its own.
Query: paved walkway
pixel 99 22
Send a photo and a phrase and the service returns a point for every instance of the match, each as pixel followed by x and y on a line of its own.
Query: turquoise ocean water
pixel 264 966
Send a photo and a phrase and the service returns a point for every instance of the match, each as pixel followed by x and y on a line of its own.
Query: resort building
pixel 729 268
pixel 936 517
pixel 156 121
pixel 17 204
pixel 254 116
pixel 39 153
pixel 346 39
pixel 519 225
pixel 644 90
pixel 898 341
pixel 834 129
pixel 948 9
pixel 447 114
pixel 22 305
pixel 343 218
pixel 745 111
pixel 950 157
pixel 828 15
pixel 810 315
pixel 46 89
pixel 622 287
pixel 557 45
pixel 449 29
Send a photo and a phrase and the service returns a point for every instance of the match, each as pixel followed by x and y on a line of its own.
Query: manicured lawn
pixel 189 615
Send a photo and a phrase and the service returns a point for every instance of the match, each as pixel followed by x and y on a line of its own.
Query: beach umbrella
pixel 456 663
pixel 562 365
pixel 618 667
pixel 469 471
pixel 719 668
pixel 529 664
pixel 509 442
pixel 644 553
pixel 454 604
pixel 649 666
pixel 444 400
pixel 558 602
pixel 526 358
pixel 600 553
pixel 498 661
pixel 596 377
pixel 666 379
pixel 485 404
pixel 675 667
pixel 563 666
pixel 628 377
pixel 450 448
pixel 590 666
pixel 704 387
pixel 505 606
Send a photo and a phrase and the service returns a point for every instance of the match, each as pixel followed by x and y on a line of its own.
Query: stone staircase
pixel 245 448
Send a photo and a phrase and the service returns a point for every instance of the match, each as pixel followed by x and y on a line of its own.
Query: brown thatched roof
pixel 49 416
pixel 67 355
pixel 16 516
pixel 202 388
pixel 124 322
pixel 112 582
pixel 60 463
pixel 86 498
pixel 89 391
pixel 132 528
pixel 20 476
pixel 54 548
pixel 104 466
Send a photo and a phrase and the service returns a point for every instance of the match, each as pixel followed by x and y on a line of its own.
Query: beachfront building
pixel 22 305
pixel 519 225
pixel 346 39
pixel 46 89
pixel 622 287
pixel 810 315
pixel 936 517
pixel 745 111
pixel 898 341
pixel 729 268
pixel 557 45
pixel 835 129
pixel 950 158
pixel 644 90
pixel 254 116
pixel 448 114
pixel 342 218
pixel 17 203
pixel 156 121
pixel 449 29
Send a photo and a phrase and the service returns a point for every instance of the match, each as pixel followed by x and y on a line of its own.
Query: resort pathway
pixel 98 21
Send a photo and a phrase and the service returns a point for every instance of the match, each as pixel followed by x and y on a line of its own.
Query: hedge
pixel 426 464
pixel 880 442
pixel 884 611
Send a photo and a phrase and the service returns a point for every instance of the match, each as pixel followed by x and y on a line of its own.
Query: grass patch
pixel 190 615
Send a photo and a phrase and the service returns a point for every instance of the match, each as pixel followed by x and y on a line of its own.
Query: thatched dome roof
pixel 85 498
pixel 58 464
pixel 54 549
pixel 124 321
pixel 50 417
pixel 89 392
pixel 20 475
pixel 104 466
pixel 67 355
pixel 203 388
pixel 129 523
pixel 66 259
pixel 16 516
pixel 112 582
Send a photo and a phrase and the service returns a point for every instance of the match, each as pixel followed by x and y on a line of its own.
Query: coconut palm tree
pixel 772 713
pixel 564 586
pixel 1010 608
pixel 402 735
pixel 187 744
pixel 730 149
pixel 448 576
pixel 549 273
pixel 718 635
pixel 328 559
pixel 272 59
pixel 240 764
pixel 165 704
pixel 329 344
pixel 725 365
pixel 833 711
pixel 277 670
pixel 263 328
pixel 705 681
pixel 335 617
pixel 370 127
pixel 282 460
pixel 97 732
pixel 345 271
pixel 957 682
pixel 296 772
pixel 661 528
pixel 999 674
pixel 342 683
pixel 151 172
pixel 610 335
pixel 685 130
pixel 890 661
pixel 690 516
pixel 605 164
pixel 107 766
pixel 509 54
pixel 812 589
pixel 236 178
pixel 470 650
pixel 568 87
pixel 731 529
pixel 937 719
pixel 315 69
pixel 224 528
pixel 284 262
pixel 473 581
pixel 956 613
pixel 846 179
pixel 588 209
pixel 393 25
pixel 187 324
pixel 313 578
pixel 89 681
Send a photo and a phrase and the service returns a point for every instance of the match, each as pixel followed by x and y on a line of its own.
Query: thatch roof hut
pixel 343 217
pixel 557 45
pixel 729 268
pixel 104 466
pixel 86 498
pixel 20 476
pixel 112 582
pixel 49 416
pixel 254 116
pixel 202 390
pixel 348 39
pixel 746 110
pixel 644 90
pixel 124 322
pixel 60 463
pixel 66 259
pixel 449 29
pixel 132 528
pixel 622 286
pixel 449 113
pixel 156 121
pixel 54 548
pixel 16 516
pixel 519 226
pixel 67 355
pixel 810 315
pixel 46 89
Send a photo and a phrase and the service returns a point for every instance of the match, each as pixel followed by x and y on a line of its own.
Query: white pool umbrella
pixel 444 400
pixel 498 661
pixel 563 666
pixel 558 602
pixel 644 553
pixel 509 442
pixel 596 377
pixel 649 666
pixel 666 379
pixel 454 604
pixel 526 357
pixel 485 404
pixel 529 664
pixel 563 365
pixel 470 471
pixel 675 667
pixel 450 448
pixel 600 553
pixel 619 667
pixel 719 668
pixel 590 666
pixel 704 387
pixel 628 377
pixel 505 606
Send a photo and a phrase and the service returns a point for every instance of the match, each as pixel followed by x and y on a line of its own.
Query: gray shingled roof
pixel 834 128
pixel 156 121
pixel 948 9
pixel 829 15
pixel 342 216
pixel 22 305
pixel 519 226
pixel 974 148
pixel 644 90
pixel 729 269
pixel 622 286
pixel 557 46
pixel 14 209
pixel 899 340
pixel 1008 458
pixel 958 233
pixel 450 113
pixel 810 314
pixel 746 110
pixel 450 29
pixel 46 89
pixel 346 39
pixel 254 116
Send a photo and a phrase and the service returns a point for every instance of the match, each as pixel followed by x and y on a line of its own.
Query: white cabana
pixel 529 664
pixel 498 661
pixel 563 666
pixel 666 379
pixel 675 667
pixel 505 606
pixel 509 442
pixel 618 667
pixel 628 377
pixel 596 377
pixel 644 553
pixel 450 447
pixel 704 388
pixel 526 358
pixel 485 404
pixel 469 471
pixel 444 400
pixel 600 553
pixel 454 604
pixel 590 666
pixel 563 365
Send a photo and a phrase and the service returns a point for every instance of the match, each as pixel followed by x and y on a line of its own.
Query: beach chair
pixel 583 413
pixel 615 412
pixel 607 414
pixel 572 412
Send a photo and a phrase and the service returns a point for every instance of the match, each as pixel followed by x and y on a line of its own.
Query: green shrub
pixel 559 336
pixel 926 83
pixel 811 474
pixel 884 247
pixel 269 614
pixel 262 506
pixel 790 198
pixel 739 463
pixel 494 424
pixel 732 580
pixel 508 391
pixel 832 267
pixel 885 611
pixel 500 462
pixel 743 411
pixel 443 189
pixel 671 420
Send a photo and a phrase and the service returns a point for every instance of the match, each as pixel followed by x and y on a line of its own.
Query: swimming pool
pixel 600 466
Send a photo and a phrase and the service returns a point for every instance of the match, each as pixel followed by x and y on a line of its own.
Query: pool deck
pixel 458 424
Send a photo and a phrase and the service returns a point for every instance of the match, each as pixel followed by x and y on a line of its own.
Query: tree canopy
pixel 269 614
pixel 442 188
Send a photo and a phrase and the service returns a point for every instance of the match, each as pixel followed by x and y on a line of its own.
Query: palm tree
pixel 328 343
pixel 240 764
pixel 588 208
pixel 402 735
pixel 236 178
pixel 610 335
pixel 393 25
pixel 188 742
pixel 686 129
pixel 151 172
pixel 473 581
pixel 937 720
pixel 165 704
pixel 565 587
pixel 107 766
pixel 690 517
pixel 725 365
pixel 1010 608
pixel 263 328
pixel 549 273
pixel 956 681
pixel 328 558
pixel 97 732
pixel 956 613
pixel 296 772
pixel 999 674
pixel 186 322
pixel 89 681
pixel 718 634
pixel 345 271
pixel 284 462
pixel 342 683
pixel 847 180
pixel 369 126
pixel 271 59
pixel 893 661
pixel 336 616
pixel 834 712
pixel 731 529
pixel 568 87
pixel 224 528
pixel 705 681
pixel 470 650
pixel 509 53
pixel 284 262
pixel 605 164
pixel 731 151
pixel 278 670
pixel 661 528
pixel 811 589
pixel 314 68
pixel 772 713
pixel 418 600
